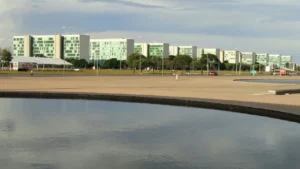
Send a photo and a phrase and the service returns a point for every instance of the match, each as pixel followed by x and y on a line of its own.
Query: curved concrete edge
pixel 283 112
pixel 286 91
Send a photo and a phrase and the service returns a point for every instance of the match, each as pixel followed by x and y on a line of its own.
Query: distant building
pixel 286 59
pixel 214 51
pixel 141 48
pixel 173 50
pixel 274 60
pixel 188 50
pixel 222 56
pixel 200 51
pixel 52 46
pixel 231 56
pixel 248 58
pixel 262 58
pixel 76 46
pixel 159 49
pixel 105 49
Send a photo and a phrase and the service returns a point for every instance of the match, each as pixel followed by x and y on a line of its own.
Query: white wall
pixel 173 50
pixel 166 50
pixel 57 47
pixel 130 47
pixel 84 47
pixel 200 52
pixel 144 48
pixel 194 50
pixel 214 51
pixel 231 56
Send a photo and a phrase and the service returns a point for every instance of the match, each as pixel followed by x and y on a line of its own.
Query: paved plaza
pixel 222 87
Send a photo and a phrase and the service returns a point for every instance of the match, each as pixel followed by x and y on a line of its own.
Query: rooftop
pixel 40 61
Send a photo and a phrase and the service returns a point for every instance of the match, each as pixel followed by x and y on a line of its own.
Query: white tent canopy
pixel 40 61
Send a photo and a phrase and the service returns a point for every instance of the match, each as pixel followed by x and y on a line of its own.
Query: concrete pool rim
pixel 277 111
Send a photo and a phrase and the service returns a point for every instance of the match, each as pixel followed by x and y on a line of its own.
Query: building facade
pixel 231 56
pixel 221 56
pixel 200 51
pixel 286 59
pixel 159 49
pixel 214 51
pixel 274 60
pixel 76 46
pixel 52 46
pixel 247 58
pixel 43 45
pixel 18 46
pixel 262 58
pixel 141 48
pixel 105 49
pixel 188 50
pixel 173 50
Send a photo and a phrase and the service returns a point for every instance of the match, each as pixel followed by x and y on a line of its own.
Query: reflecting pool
pixel 79 134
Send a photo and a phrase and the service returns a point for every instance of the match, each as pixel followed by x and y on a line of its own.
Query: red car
pixel 213 73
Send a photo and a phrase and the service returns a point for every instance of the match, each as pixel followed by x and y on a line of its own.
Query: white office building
pixel 231 56
pixel 105 49
pixel 262 58
pixel 141 48
pixel 214 51
pixel 188 50
pixel 159 49
pixel 200 51
pixel 173 50
pixel 274 60
pixel 248 58
pixel 286 59
pixel 222 56
pixel 52 46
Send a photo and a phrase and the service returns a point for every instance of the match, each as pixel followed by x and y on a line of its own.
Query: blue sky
pixel 247 25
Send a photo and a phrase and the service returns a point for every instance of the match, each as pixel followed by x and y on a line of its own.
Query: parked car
pixel 213 73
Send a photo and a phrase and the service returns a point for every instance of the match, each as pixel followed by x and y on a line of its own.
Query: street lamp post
pixel 120 63
pixel 207 66
pixel 97 65
pixel 162 65
pixel 140 63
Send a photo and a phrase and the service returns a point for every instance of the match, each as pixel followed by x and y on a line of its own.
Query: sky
pixel 268 26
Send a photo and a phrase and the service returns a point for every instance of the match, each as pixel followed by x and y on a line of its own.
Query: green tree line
pixel 180 62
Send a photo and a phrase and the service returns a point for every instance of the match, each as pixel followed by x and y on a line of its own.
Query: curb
pixel 283 112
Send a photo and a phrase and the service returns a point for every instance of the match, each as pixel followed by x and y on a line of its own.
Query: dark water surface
pixel 76 134
pixel 283 81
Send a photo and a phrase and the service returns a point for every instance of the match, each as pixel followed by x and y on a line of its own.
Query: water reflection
pixel 65 134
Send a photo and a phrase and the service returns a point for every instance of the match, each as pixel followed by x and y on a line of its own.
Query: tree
pixel 287 65
pixel 229 66
pixel 182 61
pixel 171 57
pixel 111 64
pixel 6 56
pixel 133 60
pixel 77 63
pixel 40 55
pixel 213 61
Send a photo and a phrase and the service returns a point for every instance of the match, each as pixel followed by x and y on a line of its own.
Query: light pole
pixel 140 63
pixel 120 63
pixel 240 63
pixel 162 65
pixel 207 66
pixel 97 65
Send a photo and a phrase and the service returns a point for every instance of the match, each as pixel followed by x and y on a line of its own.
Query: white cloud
pixel 11 20
pixel 224 18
